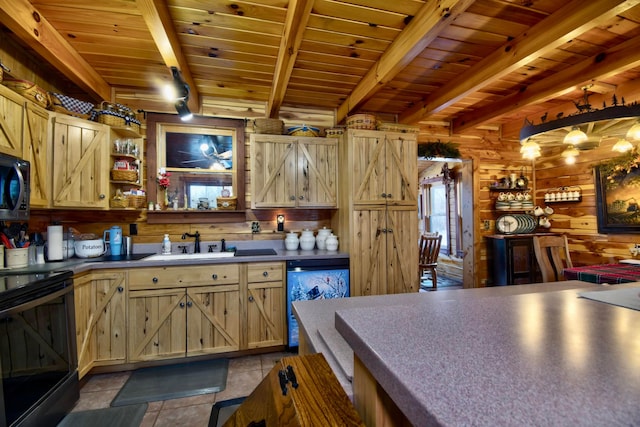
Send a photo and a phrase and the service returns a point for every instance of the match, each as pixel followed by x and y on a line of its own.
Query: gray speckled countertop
pixel 79 265
pixel 542 356
pixel 318 317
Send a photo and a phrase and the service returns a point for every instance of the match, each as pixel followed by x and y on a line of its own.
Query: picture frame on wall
pixel 617 199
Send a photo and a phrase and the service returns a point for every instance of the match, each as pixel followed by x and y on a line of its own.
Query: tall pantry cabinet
pixel 378 219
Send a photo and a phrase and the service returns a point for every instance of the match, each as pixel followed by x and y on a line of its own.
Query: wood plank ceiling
pixel 466 63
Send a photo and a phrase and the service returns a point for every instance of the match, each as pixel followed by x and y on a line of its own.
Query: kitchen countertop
pixel 79 265
pixel 318 317
pixel 518 355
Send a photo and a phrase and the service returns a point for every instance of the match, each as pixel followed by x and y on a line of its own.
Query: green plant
pixel 439 149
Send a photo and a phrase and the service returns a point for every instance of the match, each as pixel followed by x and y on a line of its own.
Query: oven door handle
pixel 38 301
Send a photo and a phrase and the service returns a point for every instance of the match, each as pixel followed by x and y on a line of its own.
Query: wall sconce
pixel 280 221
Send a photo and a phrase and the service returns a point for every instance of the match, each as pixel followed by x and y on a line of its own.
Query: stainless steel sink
pixel 177 257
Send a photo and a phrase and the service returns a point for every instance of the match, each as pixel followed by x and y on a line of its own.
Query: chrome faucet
pixel 196 247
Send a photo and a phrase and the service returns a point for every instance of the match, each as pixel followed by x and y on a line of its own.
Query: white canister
pixel 54 243
pixel 307 240
pixel 323 233
pixel 292 241
pixel 332 242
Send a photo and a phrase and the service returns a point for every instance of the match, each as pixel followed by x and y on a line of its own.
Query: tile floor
pixel 244 374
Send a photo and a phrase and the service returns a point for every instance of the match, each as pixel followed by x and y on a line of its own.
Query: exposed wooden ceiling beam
pixel 604 64
pixel 425 26
pixel 573 19
pixel 295 24
pixel 156 15
pixel 31 27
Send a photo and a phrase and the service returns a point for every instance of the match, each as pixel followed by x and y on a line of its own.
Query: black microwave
pixel 14 188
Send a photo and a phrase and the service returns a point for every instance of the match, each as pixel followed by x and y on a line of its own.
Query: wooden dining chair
pixel 552 254
pixel 429 251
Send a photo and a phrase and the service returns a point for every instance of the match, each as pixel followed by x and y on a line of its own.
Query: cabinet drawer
pixel 154 278
pixel 265 272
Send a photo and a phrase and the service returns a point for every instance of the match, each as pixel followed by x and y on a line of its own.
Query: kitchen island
pixel 519 355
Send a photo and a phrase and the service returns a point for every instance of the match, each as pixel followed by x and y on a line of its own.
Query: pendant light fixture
pixel 530 150
pixel 575 137
pixel 622 146
pixel 633 133
pixel 570 153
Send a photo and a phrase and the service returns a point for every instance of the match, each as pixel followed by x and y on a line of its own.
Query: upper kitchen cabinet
pixel 293 172
pixel 11 114
pixel 81 163
pixel 37 150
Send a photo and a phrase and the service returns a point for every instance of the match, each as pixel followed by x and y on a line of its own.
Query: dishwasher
pixel 314 279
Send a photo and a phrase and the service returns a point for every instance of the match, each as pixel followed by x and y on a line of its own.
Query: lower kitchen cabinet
pixel 266 315
pixel 178 312
pixel 514 260
pixel 100 307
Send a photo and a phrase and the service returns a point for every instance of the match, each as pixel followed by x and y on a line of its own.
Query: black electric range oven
pixel 38 359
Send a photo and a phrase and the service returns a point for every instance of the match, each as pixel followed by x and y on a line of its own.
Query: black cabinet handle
pixel 182 305
pixel 214 276
pixel 120 289
pixel 154 280
pixel 265 273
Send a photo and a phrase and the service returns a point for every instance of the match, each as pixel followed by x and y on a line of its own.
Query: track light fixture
pixel 183 110
pixel 181 95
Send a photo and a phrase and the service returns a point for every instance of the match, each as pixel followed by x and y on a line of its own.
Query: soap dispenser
pixel 166 245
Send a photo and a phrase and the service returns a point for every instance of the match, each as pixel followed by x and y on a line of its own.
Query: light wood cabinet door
pixel 213 319
pixel 100 308
pixel 266 314
pixel 385 169
pixel 290 172
pixel 37 150
pixel 11 121
pixel 317 177
pixel 273 172
pixel 157 324
pixel 80 163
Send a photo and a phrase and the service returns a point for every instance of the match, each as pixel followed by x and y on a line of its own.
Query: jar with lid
pixel 292 241
pixel 332 242
pixel 307 240
pixel 323 233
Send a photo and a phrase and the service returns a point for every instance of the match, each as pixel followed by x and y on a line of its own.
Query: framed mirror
pixel 204 159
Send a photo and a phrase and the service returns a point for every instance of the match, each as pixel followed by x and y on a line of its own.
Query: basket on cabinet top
pixel 116 115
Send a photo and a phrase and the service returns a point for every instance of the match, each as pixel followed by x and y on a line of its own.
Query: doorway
pixel 446 206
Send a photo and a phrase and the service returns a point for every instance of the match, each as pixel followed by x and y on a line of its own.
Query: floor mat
pixel 173 382
pixel 122 416
pixel 221 411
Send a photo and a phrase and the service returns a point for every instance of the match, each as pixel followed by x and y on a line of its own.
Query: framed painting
pixel 617 199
